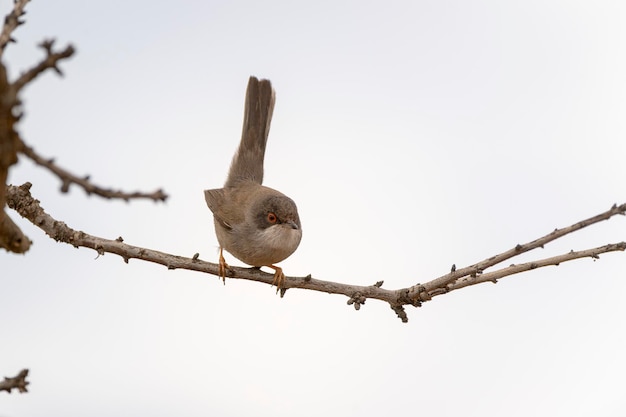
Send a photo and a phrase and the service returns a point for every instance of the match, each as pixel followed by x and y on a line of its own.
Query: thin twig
pixel 11 22
pixel 445 282
pixel 49 62
pixel 17 382
pixel 68 178
pixel 516 269
pixel 20 199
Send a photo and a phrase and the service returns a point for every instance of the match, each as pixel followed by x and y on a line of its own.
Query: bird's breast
pixel 268 246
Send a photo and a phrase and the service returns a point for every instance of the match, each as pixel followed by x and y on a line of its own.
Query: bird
pixel 256 224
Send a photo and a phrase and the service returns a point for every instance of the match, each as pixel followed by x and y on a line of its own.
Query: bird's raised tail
pixel 247 164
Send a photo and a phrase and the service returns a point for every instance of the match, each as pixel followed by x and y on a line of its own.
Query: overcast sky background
pixel 412 135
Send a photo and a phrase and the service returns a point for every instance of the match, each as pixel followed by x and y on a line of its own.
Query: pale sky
pixel 412 135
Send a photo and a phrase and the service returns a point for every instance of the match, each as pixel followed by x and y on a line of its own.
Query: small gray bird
pixel 256 224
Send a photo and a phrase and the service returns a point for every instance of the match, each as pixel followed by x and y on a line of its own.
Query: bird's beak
pixel 292 224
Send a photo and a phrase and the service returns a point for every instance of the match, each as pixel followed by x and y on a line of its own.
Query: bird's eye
pixel 271 217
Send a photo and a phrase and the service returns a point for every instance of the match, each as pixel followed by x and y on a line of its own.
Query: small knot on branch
pixel 47 45
pixel 379 284
pixel 416 301
pixel 426 297
pixel 357 299
pixel 65 186
pixel 476 273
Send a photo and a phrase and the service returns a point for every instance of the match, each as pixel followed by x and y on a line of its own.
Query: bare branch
pixel 11 22
pixel 17 382
pixel 49 62
pixel 445 282
pixel 516 269
pixel 68 178
pixel 11 237
pixel 19 199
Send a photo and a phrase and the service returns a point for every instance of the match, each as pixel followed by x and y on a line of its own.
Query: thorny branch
pixel 20 199
pixel 68 178
pixel 18 382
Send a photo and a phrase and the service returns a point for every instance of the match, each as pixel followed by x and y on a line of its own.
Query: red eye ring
pixel 271 217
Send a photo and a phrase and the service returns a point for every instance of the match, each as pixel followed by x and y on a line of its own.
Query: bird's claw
pixel 279 277
pixel 223 266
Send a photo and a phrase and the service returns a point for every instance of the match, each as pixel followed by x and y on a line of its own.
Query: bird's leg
pixel 223 266
pixel 279 277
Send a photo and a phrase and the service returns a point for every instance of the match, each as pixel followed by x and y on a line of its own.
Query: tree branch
pixel 17 382
pixel 50 61
pixel 20 199
pixel 516 269
pixel 11 22
pixel 445 282
pixel 68 178
pixel 11 236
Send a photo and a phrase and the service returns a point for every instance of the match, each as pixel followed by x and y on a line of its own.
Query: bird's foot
pixel 223 266
pixel 279 277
